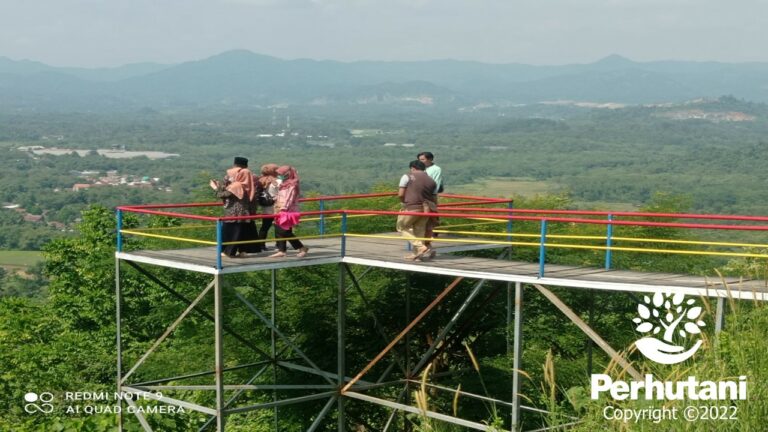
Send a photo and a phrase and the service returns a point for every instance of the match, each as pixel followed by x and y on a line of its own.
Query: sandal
pixel 302 252
pixel 412 257
pixel 422 251
pixel 278 254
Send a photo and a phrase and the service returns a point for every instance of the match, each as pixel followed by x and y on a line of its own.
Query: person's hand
pixel 213 184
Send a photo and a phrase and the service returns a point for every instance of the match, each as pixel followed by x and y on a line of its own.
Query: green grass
pixel 505 186
pixel 525 187
pixel 738 350
pixel 14 258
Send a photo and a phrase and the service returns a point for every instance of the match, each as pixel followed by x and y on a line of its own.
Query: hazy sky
pixel 92 33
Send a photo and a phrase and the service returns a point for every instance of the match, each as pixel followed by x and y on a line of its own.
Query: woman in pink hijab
pixel 286 211
pixel 266 191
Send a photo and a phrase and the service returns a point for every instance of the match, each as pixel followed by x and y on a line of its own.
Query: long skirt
pixel 234 232
pixel 250 233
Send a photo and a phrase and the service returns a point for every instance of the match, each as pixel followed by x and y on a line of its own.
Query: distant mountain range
pixel 245 79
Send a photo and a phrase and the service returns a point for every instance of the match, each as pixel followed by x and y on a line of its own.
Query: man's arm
pixel 404 180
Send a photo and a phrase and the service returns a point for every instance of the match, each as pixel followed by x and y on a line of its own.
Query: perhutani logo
pixel 681 324
pixel 677 318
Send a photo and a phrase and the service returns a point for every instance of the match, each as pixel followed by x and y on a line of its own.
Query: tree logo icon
pixel 668 311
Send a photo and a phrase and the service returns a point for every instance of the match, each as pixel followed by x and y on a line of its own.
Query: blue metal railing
pixel 608 243
pixel 219 249
pixel 542 247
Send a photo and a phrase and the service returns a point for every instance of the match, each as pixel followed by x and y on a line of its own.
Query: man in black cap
pixel 241 162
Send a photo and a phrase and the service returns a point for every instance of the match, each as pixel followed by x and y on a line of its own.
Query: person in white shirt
pixel 433 171
pixel 436 174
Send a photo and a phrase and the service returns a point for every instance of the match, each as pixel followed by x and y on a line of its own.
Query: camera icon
pixel 44 406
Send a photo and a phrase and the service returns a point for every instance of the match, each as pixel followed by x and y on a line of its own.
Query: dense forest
pixel 57 330
pixel 620 156
pixel 64 340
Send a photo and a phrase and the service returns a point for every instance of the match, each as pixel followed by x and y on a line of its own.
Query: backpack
pixel 265 199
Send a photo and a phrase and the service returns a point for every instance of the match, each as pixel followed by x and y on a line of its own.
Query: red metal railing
pixel 454 206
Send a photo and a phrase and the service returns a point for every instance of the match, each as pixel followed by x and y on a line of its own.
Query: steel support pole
pixel 413 410
pixel 273 341
pixel 599 341
pixel 139 415
pixel 406 423
pixel 233 398
pixel 391 418
pixel 168 331
pixel 321 416
pixel 118 339
pixel 510 351
pixel 198 309
pixel 219 352
pixel 370 308
pixel 517 357
pixel 341 345
pixel 448 327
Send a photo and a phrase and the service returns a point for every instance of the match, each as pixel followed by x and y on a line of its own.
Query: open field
pixel 510 187
pixel 19 259
pixel 504 187
pixel 605 206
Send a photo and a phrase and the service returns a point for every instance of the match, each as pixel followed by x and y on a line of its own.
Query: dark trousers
pixel 266 224
pixel 283 233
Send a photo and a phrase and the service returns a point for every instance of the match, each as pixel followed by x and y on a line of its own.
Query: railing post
pixel 509 223
pixel 343 234
pixel 119 230
pixel 608 242
pixel 542 246
pixel 322 217
pixel 219 232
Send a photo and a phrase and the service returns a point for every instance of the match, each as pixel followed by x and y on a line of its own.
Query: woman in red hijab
pixel 286 211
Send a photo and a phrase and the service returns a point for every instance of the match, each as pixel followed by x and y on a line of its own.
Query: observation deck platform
pixel 480 239
pixel 388 252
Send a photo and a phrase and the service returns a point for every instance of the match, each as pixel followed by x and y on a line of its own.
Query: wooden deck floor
pixel 389 253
